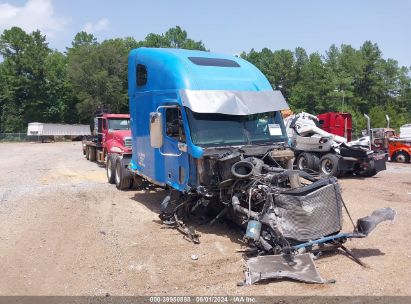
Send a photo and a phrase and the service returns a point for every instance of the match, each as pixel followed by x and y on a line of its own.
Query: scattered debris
pixel 300 268
pixel 286 214
pixel 194 257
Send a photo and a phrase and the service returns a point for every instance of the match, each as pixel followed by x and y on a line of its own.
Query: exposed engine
pixel 279 208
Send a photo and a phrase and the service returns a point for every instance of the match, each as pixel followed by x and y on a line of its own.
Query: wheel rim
pixel 400 158
pixel 109 169
pixel 327 166
pixel 118 174
pixel 302 163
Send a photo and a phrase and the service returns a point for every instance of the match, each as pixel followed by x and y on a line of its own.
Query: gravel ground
pixel 65 231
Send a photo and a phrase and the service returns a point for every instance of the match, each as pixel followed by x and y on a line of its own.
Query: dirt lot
pixel 65 231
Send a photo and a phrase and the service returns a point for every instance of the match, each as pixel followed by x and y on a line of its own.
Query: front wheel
pixel 110 168
pixel 401 157
pixel 121 179
pixel 329 165
pixel 370 171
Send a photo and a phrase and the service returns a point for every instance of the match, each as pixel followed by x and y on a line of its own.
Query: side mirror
pixel 156 130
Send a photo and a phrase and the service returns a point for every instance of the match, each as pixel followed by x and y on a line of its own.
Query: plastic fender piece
pixel 300 267
pixel 367 224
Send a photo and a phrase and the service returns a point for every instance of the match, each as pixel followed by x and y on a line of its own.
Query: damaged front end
pixel 287 214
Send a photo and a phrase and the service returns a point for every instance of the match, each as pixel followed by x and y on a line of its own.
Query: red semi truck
pixel 337 123
pixel 111 136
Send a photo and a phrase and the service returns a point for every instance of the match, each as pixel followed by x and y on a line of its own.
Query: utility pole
pixel 342 107
pixel 343 97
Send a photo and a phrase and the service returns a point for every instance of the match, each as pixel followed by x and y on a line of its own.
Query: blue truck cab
pixel 208 127
pixel 185 105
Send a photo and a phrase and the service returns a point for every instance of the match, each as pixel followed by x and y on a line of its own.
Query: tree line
pixel 40 84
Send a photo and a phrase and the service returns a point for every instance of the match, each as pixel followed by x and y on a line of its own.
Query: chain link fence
pixel 16 137
pixel 23 137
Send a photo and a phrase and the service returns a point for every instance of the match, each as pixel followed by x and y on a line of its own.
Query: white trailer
pixel 405 131
pixel 49 129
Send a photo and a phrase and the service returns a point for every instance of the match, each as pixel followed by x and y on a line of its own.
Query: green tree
pixel 301 60
pixel 277 66
pixel 83 38
pixel 344 79
pixel 23 89
pixel 175 37
pixel 59 90
pixel 38 84
pixel 98 73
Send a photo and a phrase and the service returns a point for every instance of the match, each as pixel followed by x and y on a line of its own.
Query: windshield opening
pixel 119 124
pixel 211 129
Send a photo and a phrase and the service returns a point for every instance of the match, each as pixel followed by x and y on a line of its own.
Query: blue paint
pixel 168 71
pixel 339 236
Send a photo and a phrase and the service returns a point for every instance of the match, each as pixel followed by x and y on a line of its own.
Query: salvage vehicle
pixel 110 138
pixel 337 123
pixel 208 128
pixel 327 153
pixel 399 149
pixel 398 146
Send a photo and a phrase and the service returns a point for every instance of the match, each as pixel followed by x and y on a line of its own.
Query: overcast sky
pixel 224 26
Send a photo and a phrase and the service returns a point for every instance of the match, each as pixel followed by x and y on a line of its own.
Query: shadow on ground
pixel 365 253
pixel 152 200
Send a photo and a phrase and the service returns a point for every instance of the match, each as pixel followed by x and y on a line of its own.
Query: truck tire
pixel 92 154
pixel 137 183
pixel 329 165
pixel 110 168
pixel 401 157
pixel 307 160
pixel 370 171
pixel 122 181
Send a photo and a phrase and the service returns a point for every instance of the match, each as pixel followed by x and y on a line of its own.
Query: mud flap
pixel 380 165
pixel 367 224
pixel 380 160
pixel 300 268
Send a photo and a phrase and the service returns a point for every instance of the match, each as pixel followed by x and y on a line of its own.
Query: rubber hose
pixel 257 163
pixel 237 208
pixel 245 166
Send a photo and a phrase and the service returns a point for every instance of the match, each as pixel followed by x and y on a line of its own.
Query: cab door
pixel 104 130
pixel 175 149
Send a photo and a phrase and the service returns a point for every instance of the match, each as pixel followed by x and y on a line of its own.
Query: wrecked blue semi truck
pixel 208 128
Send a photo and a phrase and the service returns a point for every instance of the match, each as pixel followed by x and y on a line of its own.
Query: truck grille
pixel 127 142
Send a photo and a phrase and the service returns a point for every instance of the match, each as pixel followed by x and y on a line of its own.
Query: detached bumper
pixel 300 266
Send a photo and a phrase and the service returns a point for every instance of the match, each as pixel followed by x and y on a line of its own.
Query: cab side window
pixel 174 124
pixel 141 75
